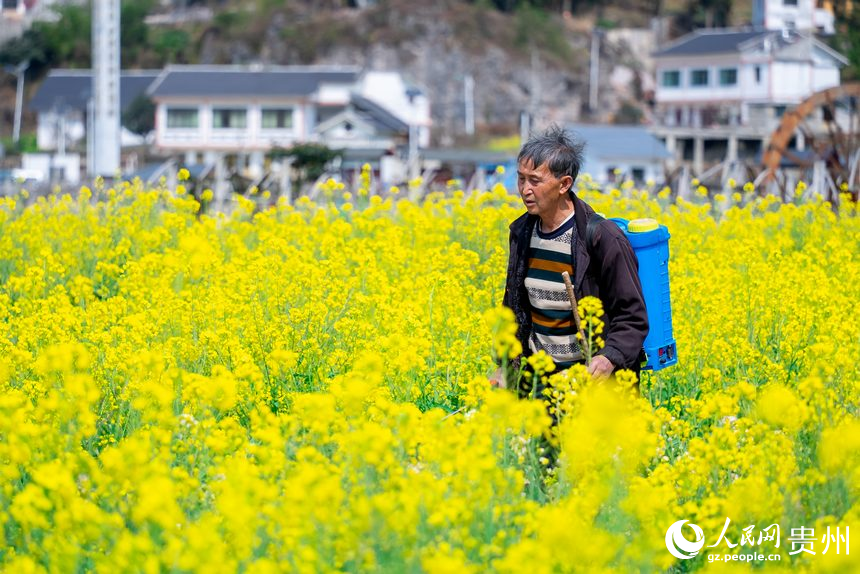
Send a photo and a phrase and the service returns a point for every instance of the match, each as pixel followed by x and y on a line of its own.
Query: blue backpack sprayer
pixel 650 242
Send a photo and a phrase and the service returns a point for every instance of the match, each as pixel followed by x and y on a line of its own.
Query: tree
pixel 706 14
pixel 170 45
pixel 139 117
pixel 309 159
pixel 26 48
pixel 847 37
pixel 628 114
pixel 134 32
pixel 68 41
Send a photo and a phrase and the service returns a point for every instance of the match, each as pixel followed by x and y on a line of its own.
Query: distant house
pixel 721 92
pixel 14 16
pixel 360 123
pixel 208 111
pixel 804 15
pixel 613 152
pixel 61 106
pixel 14 8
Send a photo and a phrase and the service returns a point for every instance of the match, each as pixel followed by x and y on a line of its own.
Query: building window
pixel 182 118
pixel 671 79
pixel 758 74
pixel 638 174
pixel 778 111
pixel 10 4
pixel 277 118
pixel 699 77
pixel 729 77
pixel 229 118
pixel 789 2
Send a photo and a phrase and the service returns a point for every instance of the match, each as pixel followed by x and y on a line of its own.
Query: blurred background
pixel 286 95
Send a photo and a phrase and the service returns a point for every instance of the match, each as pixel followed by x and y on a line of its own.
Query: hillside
pixel 523 56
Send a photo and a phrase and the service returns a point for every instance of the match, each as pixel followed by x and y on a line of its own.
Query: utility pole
pixel 106 76
pixel 19 72
pixel 594 70
pixel 91 130
pixel 61 131
pixel 534 96
pixel 525 126
pixel 469 95
pixel 413 161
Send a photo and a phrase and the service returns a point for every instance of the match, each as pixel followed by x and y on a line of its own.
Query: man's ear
pixel 566 183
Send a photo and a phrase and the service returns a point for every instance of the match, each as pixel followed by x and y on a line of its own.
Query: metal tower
pixel 104 132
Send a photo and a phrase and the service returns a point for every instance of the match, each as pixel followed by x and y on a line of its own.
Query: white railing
pixel 179 136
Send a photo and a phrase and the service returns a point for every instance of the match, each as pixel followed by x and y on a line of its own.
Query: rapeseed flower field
pixel 303 388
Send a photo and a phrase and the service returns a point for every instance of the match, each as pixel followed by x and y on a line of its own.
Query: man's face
pixel 542 193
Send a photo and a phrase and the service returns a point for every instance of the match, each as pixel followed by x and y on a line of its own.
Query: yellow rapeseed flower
pixel 182 389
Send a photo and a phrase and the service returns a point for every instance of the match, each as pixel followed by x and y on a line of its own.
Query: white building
pixel 204 112
pixel 61 103
pixel 721 92
pixel 406 102
pixel 209 111
pixel 13 8
pixel 803 15
pixel 24 10
pixel 13 19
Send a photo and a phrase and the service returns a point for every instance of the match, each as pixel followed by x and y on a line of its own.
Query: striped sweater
pixel 553 328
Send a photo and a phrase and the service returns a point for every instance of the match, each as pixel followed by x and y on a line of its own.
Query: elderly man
pixel 551 238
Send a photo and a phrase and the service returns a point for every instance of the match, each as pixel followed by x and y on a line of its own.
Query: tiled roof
pixel 619 142
pixel 197 81
pixel 383 120
pixel 711 41
pixel 73 88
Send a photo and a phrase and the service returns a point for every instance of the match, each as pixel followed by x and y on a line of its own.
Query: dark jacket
pixel 613 277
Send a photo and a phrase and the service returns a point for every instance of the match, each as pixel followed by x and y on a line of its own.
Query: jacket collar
pixel 525 219
pixel 522 227
pixel 582 213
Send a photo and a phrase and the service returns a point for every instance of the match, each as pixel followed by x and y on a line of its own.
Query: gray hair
pixel 561 153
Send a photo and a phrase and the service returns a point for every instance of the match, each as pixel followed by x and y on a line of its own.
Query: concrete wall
pixel 66 167
pixel 791 81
